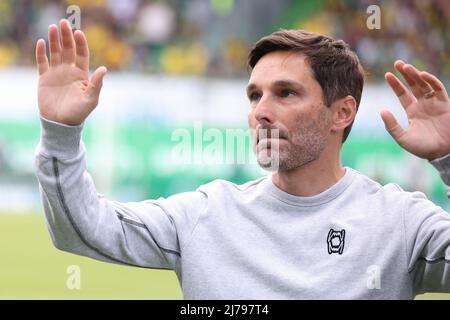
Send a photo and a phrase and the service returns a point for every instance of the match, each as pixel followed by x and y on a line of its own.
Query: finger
pixel 414 74
pixel 392 125
pixel 436 84
pixel 68 42
pixel 96 83
pixel 41 56
pixel 82 50
pixel 399 65
pixel 400 90
pixel 55 46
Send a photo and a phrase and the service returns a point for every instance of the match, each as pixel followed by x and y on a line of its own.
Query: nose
pixel 264 112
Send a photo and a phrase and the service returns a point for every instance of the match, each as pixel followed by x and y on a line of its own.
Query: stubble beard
pixel 305 145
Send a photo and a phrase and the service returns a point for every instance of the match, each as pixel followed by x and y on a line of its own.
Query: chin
pixel 268 159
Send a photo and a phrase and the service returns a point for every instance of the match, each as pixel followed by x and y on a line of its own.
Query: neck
pixel 311 178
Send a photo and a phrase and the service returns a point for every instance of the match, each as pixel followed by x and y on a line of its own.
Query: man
pixel 313 230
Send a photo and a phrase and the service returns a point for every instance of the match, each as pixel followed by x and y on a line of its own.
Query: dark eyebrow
pixel 289 84
pixel 281 84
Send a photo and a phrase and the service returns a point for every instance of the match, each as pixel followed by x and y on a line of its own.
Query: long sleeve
pixel 443 166
pixel 149 234
pixel 427 231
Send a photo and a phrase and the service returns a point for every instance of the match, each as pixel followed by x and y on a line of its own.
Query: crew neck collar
pixel 321 198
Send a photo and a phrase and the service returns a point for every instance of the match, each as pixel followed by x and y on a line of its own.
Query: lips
pixel 268 135
pixel 268 143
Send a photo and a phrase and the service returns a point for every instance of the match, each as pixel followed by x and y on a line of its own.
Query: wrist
pixel 59 140
pixel 442 165
pixel 437 155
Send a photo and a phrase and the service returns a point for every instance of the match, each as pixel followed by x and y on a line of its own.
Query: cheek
pixel 297 124
pixel 293 121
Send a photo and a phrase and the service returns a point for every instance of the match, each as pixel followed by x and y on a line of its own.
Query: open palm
pixel 427 109
pixel 65 92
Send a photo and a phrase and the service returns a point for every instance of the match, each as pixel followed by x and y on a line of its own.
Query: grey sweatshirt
pixel 356 240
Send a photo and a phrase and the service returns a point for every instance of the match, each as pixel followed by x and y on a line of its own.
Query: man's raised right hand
pixel 65 92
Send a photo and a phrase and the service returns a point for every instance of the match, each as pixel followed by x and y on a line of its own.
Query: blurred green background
pixel 32 269
pixel 172 64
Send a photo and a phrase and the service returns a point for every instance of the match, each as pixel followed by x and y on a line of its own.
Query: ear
pixel 343 113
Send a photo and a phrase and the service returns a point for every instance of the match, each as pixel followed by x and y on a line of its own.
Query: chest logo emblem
pixel 336 241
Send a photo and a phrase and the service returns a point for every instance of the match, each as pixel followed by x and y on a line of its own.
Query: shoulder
pixel 391 193
pixel 374 187
pixel 224 186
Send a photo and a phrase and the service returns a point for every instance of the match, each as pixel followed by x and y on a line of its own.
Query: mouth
pixel 266 144
pixel 269 137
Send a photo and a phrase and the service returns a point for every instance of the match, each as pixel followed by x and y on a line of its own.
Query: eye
pixel 253 96
pixel 286 93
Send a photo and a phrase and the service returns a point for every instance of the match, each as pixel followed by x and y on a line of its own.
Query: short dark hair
pixel 334 65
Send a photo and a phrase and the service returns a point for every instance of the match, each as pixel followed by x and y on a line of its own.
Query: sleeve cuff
pixel 59 140
pixel 442 165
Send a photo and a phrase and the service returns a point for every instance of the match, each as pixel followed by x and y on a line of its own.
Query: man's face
pixel 285 96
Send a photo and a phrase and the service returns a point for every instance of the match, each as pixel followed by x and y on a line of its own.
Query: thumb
pixel 392 125
pixel 96 82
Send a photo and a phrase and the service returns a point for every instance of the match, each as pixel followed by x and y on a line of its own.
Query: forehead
pixel 282 65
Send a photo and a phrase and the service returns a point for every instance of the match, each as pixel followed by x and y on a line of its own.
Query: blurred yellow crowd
pixel 212 37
